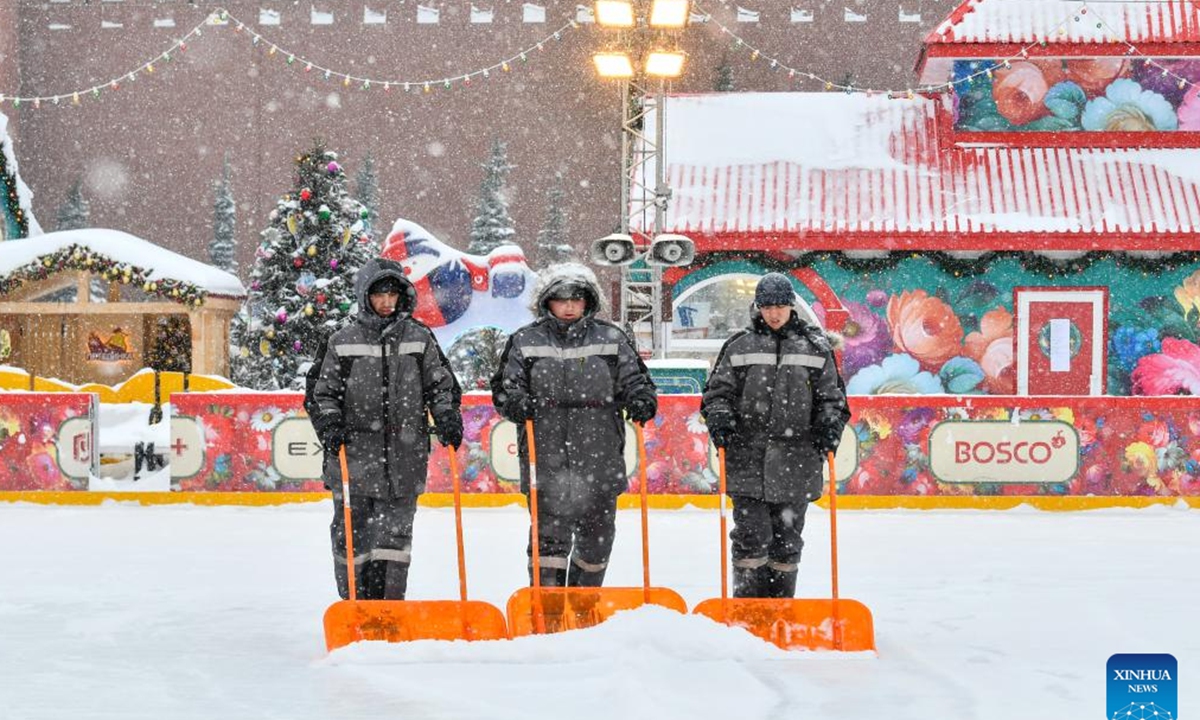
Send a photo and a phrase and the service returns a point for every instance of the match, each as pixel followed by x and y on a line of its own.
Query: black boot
pixel 579 577
pixel 750 582
pixel 781 583
pixel 341 577
pixel 395 580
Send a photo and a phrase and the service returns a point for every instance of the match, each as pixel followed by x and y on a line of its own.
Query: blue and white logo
pixel 1143 687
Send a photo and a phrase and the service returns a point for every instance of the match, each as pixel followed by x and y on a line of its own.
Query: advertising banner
pixel 47 441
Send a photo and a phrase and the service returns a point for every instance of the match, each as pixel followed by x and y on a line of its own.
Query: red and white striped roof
pixel 1070 22
pixel 809 169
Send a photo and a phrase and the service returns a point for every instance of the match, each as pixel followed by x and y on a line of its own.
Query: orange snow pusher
pixel 352 620
pixel 794 623
pixel 543 610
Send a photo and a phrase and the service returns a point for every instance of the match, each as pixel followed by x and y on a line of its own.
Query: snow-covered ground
pixel 122 611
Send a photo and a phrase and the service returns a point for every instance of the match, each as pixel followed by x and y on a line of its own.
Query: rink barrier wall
pixel 625 502
pixel 920 451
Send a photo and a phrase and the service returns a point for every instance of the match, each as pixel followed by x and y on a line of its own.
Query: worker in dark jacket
pixel 777 405
pixel 382 376
pixel 573 374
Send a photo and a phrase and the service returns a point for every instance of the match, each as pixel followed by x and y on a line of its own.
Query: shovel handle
pixel 458 525
pixel 724 535
pixel 349 523
pixel 641 443
pixel 539 613
pixel 833 553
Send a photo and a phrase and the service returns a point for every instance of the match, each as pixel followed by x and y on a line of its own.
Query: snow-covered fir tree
pixel 302 284
pixel 553 240
pixel 475 356
pixel 724 80
pixel 222 251
pixel 75 210
pixel 366 183
pixel 492 226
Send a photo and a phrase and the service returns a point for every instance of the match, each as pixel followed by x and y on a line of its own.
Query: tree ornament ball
pixel 333 263
pixel 244 351
pixel 264 348
pixel 320 297
pixel 281 316
pixel 344 306
pixel 333 168
pixel 308 310
pixel 298 262
pixel 306 194
pixel 270 334
pixel 364 214
pixel 297 346
pixel 324 212
pixel 312 250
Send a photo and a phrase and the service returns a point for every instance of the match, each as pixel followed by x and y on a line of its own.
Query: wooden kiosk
pixel 98 305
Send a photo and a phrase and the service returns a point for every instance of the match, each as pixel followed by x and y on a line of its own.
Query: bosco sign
pixel 1004 452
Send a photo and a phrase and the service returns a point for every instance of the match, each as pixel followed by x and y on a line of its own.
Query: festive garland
pixel 12 202
pixel 78 257
pixel 967 267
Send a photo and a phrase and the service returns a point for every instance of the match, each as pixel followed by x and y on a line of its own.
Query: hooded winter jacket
pixel 577 378
pixel 783 389
pixel 378 378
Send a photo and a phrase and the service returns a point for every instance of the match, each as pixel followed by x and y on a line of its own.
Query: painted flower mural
pixel 924 327
pixel 1098 94
pixel 896 375
pixel 1174 371
pixel 992 347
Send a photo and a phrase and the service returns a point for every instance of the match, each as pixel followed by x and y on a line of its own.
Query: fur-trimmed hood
pixel 556 276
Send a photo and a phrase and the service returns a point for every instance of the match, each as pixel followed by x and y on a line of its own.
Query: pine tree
pixel 74 211
pixel 367 184
pixel 724 81
pixel 222 251
pixel 492 226
pixel 302 284
pixel 553 240
pixel 475 356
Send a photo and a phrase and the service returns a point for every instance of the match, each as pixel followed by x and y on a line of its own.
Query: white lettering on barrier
pixel 1036 451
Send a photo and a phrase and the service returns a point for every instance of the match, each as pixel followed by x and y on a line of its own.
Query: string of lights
pixel 222 18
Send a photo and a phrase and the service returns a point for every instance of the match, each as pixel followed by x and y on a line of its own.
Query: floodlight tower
pixel 642 52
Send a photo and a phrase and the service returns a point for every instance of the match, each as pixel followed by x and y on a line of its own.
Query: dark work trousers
pixel 575 548
pixel 766 532
pixel 382 545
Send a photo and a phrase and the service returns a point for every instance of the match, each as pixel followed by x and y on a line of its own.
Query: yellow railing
pixel 139 388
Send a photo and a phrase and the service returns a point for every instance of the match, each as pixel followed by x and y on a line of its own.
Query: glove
pixel 722 429
pixel 518 409
pixel 642 410
pixel 825 440
pixel 449 429
pixel 332 436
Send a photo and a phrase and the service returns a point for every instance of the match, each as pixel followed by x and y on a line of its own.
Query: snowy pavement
pixel 181 612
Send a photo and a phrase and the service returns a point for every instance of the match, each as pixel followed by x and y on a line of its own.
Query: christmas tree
pixel 553 241
pixel 492 226
pixel 74 212
pixel 222 251
pixel 724 81
pixel 367 184
pixel 475 356
pixel 302 284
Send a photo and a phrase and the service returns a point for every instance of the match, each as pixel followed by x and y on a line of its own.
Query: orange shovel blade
pixel 797 624
pixel 575 608
pixel 349 621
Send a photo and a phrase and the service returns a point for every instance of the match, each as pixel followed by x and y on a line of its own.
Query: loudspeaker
pixel 615 249
pixel 671 249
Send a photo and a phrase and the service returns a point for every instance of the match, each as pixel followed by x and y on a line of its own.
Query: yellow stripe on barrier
pixel 625 502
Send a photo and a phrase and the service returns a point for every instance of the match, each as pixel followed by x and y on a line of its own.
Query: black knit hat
pixel 774 289
pixel 385 285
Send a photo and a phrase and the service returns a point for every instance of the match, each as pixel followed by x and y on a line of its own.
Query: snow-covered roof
pixel 1070 22
pixel 24 195
pixel 801 164
pixel 120 247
